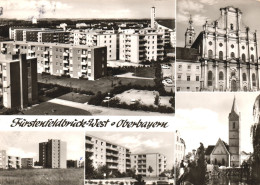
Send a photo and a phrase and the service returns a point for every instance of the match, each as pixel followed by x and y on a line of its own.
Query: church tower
pixel 189 34
pixel 234 135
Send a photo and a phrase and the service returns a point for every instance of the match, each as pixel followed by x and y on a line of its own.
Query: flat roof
pixel 52 44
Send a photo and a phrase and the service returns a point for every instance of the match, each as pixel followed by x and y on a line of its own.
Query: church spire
pixel 190 21
pixel 234 106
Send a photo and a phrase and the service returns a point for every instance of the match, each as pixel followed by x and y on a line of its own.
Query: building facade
pixel 103 152
pixel 19 80
pixel 148 164
pixel 178 148
pixel 142 46
pixel 3 159
pixel 27 163
pixel 53 154
pixel 227 53
pixel 62 59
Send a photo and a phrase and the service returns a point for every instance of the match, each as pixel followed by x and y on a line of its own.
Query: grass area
pixel 147 72
pixel 103 84
pixel 47 108
pixel 42 177
pixel 75 97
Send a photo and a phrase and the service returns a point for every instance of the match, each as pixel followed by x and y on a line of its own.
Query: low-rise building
pixel 27 162
pixel 148 164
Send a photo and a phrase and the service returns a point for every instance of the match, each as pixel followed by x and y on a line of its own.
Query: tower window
pixel 243 57
pixel 232 54
pixel 221 55
pixel 231 26
pixel 253 79
pixel 234 125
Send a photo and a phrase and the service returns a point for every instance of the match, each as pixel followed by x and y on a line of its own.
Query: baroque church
pixel 223 57
pixel 227 154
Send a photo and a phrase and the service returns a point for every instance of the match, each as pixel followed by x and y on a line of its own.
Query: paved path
pixel 130 75
pixel 98 110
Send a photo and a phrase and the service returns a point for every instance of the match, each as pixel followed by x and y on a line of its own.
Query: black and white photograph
pixel 221 137
pixel 86 57
pixel 217 45
pixel 41 158
pixel 129 158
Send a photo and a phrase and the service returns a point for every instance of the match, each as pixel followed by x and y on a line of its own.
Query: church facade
pixel 226 52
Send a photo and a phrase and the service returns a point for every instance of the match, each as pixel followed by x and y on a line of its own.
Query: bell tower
pixel 189 34
pixel 234 135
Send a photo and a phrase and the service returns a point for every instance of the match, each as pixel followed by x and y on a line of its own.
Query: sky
pixel 25 144
pixel 142 142
pixel 203 117
pixel 87 9
pixel 202 10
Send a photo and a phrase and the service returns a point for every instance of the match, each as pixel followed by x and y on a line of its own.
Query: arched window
pixel 253 58
pixel 253 79
pixel 233 73
pixel 234 125
pixel 244 76
pixel 221 55
pixel 210 53
pixel 210 78
pixel 232 54
pixel 221 75
pixel 243 57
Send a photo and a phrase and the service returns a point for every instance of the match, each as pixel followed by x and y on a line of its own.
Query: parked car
pixel 165 66
pixel 107 99
pixel 167 82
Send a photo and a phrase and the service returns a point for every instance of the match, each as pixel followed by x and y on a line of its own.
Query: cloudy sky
pixel 202 10
pixel 86 8
pixel 142 142
pixel 26 144
pixel 203 117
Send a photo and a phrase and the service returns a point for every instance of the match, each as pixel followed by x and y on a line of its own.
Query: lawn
pixel 147 72
pixel 103 84
pixel 47 108
pixel 42 177
pixel 75 97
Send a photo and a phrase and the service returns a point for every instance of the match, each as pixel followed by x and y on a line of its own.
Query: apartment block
pixel 13 162
pixel 3 159
pixel 63 59
pixel 27 162
pixel 140 47
pixel 103 152
pixel 148 164
pixel 97 38
pixel 39 35
pixel 9 162
pixel 53 154
pixel 18 80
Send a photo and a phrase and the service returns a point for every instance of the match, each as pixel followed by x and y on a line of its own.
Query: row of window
pixel 232 55
pixel 188 67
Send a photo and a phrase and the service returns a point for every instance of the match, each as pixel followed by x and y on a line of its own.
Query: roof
pixel 234 106
pixel 209 149
pixel 187 53
pixel 225 145
pixel 52 44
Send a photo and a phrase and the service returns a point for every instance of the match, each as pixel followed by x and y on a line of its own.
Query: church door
pixel 233 85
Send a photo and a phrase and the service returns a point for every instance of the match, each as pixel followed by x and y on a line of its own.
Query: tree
pixel 156 100
pixel 150 170
pixel 255 131
pixel 89 168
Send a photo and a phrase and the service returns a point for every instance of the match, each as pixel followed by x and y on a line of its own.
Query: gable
pixel 220 149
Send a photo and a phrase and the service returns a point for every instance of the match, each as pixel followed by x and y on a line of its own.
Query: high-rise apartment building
pixel 53 154
pixel 19 80
pixel 140 47
pixel 148 164
pixel 63 59
pixel 9 162
pixel 102 152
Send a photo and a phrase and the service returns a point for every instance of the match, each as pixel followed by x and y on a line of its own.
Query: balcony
pixel 111 148
pixel 30 51
pixel 46 59
pixel 89 70
pixel 111 161
pixel 16 49
pixel 84 70
pixel 111 154
pixel 89 63
pixel 65 68
pixel 65 61
pixel 46 52
pixel 112 167
pixel 83 55
pixel 65 54
pixel 89 150
pixel 84 62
